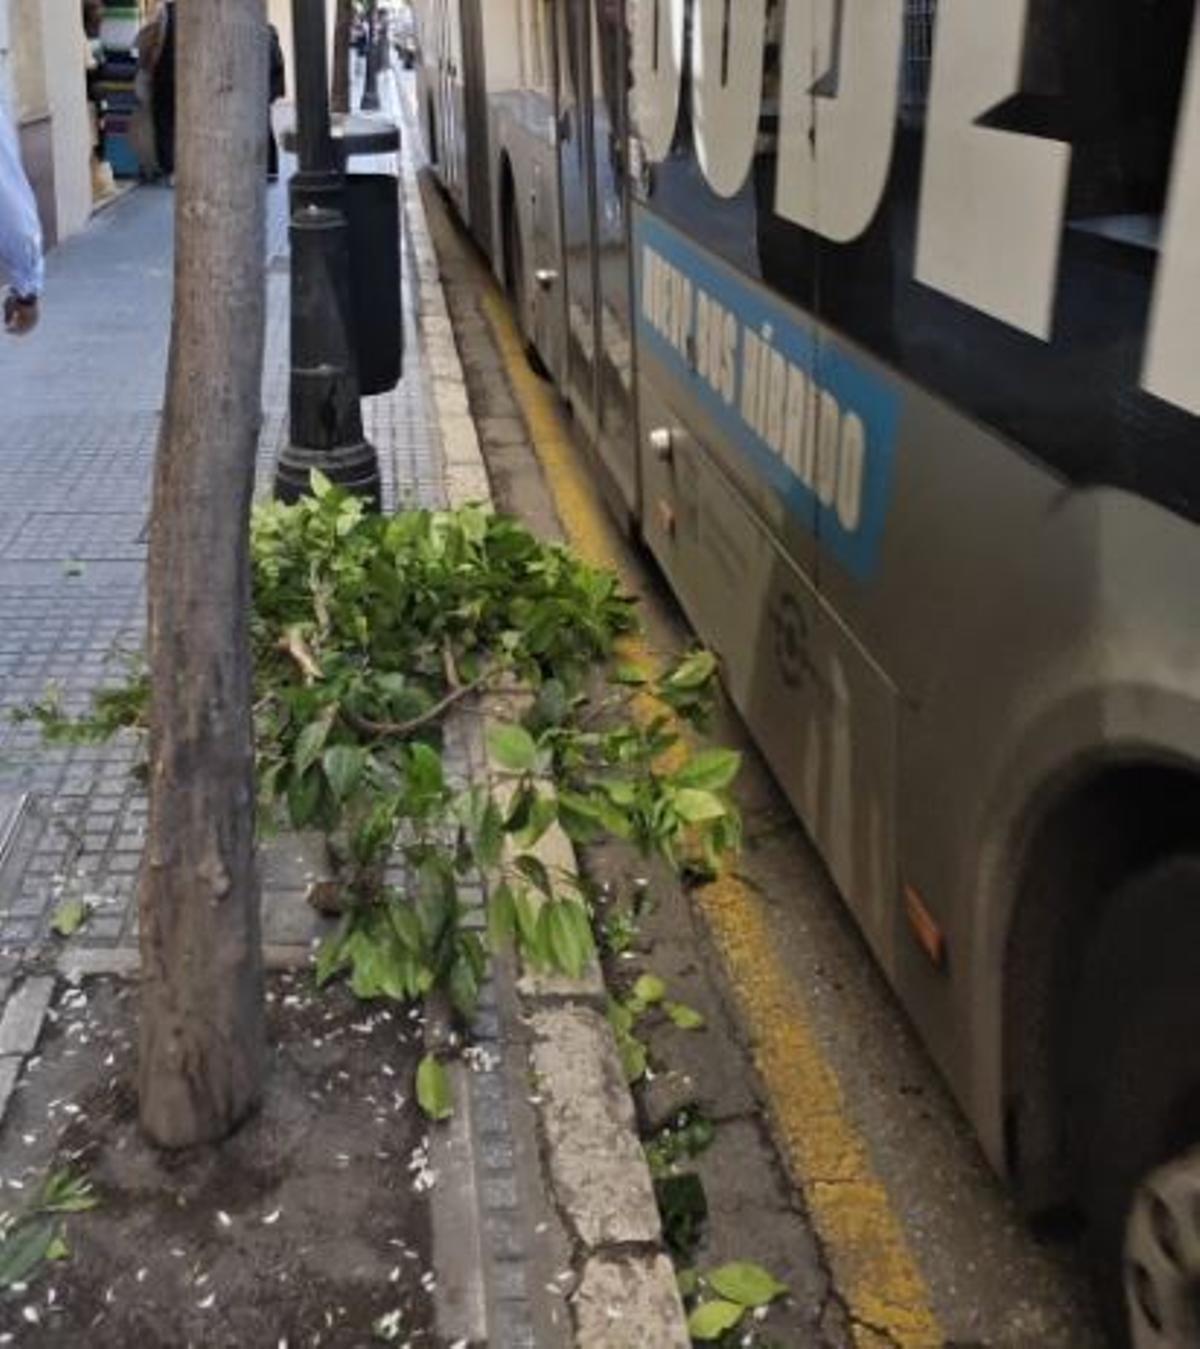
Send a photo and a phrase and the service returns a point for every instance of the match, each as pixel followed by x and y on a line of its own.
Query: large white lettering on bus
pixel 992 201
pixel 1172 369
pixel 727 68
pixel 835 150
pixel 657 72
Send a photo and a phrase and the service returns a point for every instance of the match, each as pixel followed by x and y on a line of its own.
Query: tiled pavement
pixel 82 399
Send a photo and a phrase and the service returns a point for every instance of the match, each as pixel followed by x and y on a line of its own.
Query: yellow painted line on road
pixel 873 1266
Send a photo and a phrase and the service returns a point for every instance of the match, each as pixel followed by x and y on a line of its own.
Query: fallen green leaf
pixel 70 916
pixel 711 1320
pixel 649 990
pixel 685 1017
pixel 24 1249
pixel 433 1089
pixel 745 1283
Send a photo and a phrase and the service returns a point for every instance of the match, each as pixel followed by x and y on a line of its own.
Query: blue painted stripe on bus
pixel 857 390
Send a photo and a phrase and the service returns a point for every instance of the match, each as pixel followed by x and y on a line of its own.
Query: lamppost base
pixel 355 468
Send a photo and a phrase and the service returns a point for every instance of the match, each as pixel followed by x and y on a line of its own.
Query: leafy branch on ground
pixel 368 631
pixel 722 1299
pixel 37 1234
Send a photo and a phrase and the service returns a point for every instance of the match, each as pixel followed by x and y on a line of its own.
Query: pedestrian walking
pixel 20 235
pixel 156 82
pixel 278 90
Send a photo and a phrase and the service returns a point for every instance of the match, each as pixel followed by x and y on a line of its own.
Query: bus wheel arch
pixel 1084 840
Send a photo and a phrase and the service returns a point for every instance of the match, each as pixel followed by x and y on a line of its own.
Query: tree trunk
pixel 339 100
pixel 202 1025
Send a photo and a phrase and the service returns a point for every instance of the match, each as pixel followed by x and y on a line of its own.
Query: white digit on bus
pixel 1172 370
pixel 657 72
pixel 992 201
pixel 727 68
pixel 835 150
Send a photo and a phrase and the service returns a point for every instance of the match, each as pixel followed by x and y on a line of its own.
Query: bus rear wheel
pixel 1135 1055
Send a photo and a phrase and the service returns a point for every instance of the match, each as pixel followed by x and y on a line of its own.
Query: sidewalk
pixel 538 1197
pixel 82 399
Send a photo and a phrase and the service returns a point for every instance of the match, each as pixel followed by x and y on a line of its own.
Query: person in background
pixel 156 72
pixel 278 90
pixel 20 235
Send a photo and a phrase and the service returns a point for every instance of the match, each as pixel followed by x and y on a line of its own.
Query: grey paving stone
pixel 10 1071
pixel 24 1013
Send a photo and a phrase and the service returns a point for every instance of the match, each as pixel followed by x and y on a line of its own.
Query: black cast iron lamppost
pixel 326 429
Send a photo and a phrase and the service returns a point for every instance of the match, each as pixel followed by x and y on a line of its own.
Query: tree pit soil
pixel 305 1228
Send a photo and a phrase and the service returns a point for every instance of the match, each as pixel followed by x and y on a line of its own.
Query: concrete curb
pixel 625 1295
pixel 593 1166
pixel 466 476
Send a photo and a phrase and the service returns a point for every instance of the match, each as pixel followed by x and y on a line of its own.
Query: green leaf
pixel 685 1017
pixel 304 798
pixel 629 674
pixel 70 916
pixel 567 936
pixel 332 955
pixel 543 811
pixel 24 1249
pixel 309 744
pixel 502 917
pixel 65 1192
pixel 711 1320
pixel 512 747
pixel 747 1284
pixel 433 1089
pixel 464 987
pixel 425 775
pixel 534 871
pixel 343 765
pixel 58 1249
pixel 649 990
pixel 712 770
pixel 320 484
pixel 407 927
pixel 696 807
pixel 634 1058
pixel 529 909
pixel 693 672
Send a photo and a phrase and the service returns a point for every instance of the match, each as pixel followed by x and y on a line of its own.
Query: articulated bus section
pixel 878 318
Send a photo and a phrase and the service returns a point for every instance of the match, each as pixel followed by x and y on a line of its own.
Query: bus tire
pixel 1135 1093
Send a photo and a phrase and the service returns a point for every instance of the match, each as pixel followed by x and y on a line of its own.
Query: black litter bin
pixel 373 216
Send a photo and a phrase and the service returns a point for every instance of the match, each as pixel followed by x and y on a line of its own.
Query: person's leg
pixel 164 124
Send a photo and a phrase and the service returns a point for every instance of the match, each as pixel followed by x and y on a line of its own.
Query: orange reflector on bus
pixel 929 935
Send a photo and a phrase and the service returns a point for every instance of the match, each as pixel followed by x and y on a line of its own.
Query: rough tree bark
pixel 339 99
pixel 202 1026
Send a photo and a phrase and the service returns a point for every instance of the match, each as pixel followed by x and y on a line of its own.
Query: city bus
pixel 880 320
